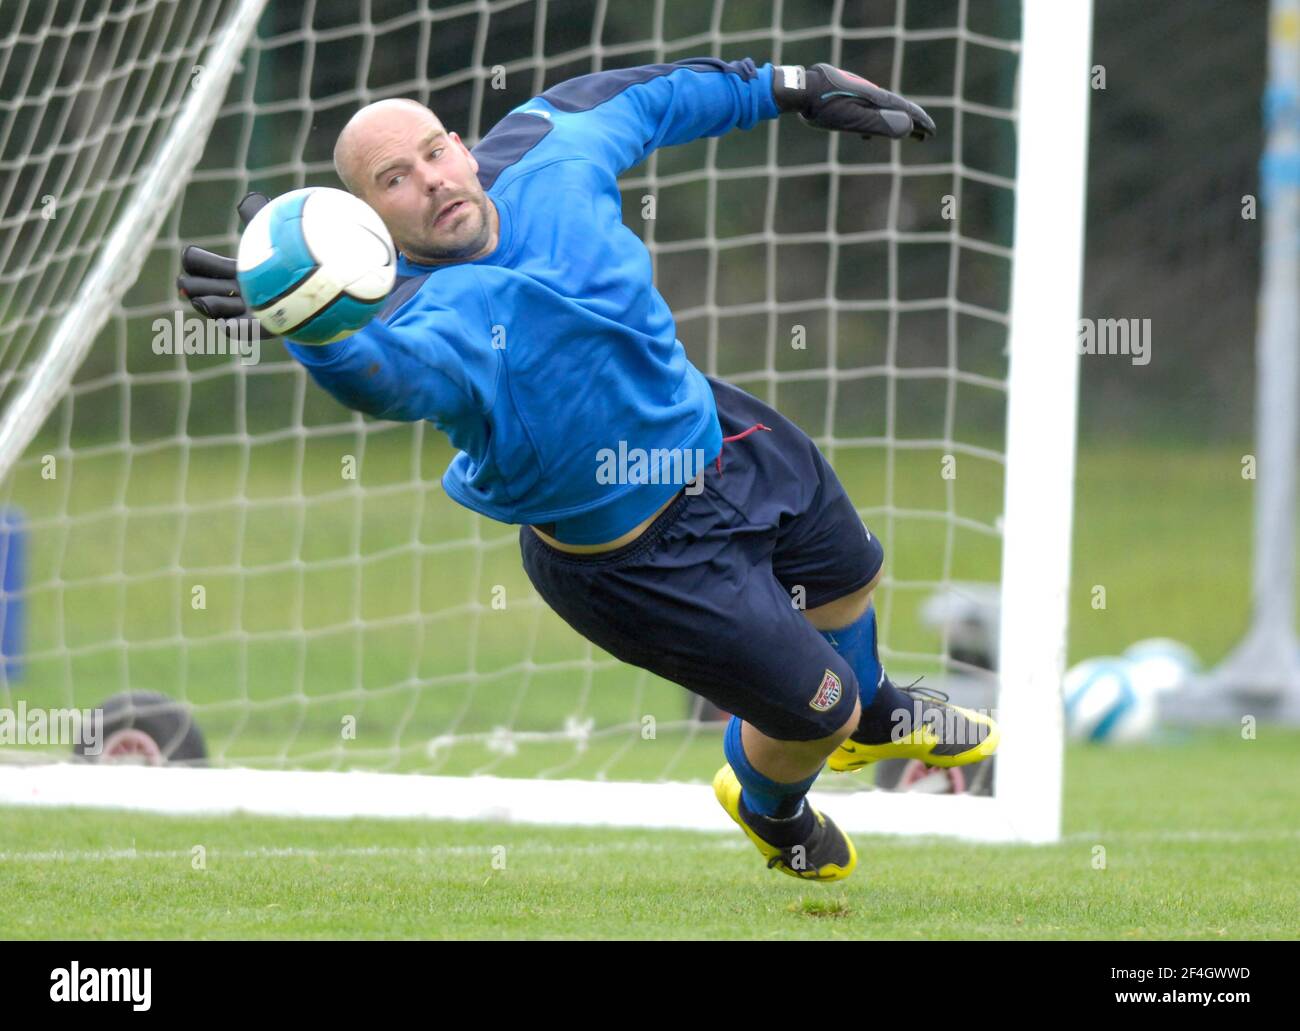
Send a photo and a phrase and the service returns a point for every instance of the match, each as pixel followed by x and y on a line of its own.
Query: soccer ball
pixel 315 265
pixel 1160 664
pixel 1103 704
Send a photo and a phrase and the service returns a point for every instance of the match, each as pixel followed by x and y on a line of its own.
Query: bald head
pixel 421 179
pixel 370 129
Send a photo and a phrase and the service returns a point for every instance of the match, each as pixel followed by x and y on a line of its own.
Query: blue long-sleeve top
pixel 538 359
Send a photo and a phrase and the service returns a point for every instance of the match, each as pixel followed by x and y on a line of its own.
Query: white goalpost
pixel 340 638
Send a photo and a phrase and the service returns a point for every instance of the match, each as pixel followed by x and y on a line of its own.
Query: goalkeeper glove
pixel 208 280
pixel 829 98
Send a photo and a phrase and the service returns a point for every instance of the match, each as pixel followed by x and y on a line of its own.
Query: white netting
pixel 376 604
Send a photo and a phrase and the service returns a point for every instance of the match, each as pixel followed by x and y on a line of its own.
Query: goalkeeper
pixel 525 324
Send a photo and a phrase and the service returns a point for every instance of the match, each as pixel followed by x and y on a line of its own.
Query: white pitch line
pixel 413 852
pixel 551 849
pixel 1175 837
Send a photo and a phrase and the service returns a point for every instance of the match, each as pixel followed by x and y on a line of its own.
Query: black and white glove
pixel 208 280
pixel 831 98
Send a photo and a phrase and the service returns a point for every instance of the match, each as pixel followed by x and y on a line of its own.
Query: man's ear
pixel 473 161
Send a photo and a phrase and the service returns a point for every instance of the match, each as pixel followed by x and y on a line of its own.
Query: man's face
pixel 422 182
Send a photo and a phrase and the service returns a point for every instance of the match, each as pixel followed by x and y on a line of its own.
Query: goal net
pixel 213 529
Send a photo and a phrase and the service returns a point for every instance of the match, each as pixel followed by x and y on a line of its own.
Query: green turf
pixel 1201 835
pixel 1201 840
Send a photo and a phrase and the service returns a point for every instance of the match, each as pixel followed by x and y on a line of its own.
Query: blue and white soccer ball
pixel 315 265
pixel 1104 704
pixel 1161 665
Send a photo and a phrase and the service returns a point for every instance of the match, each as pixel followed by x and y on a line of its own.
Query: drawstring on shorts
pixel 740 436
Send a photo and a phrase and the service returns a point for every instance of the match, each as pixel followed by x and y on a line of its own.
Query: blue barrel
pixel 13 579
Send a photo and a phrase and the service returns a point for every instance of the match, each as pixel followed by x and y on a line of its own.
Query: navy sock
pixel 793 830
pixel 889 709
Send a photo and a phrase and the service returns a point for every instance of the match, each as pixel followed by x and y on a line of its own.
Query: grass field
pixel 1202 833
pixel 1201 841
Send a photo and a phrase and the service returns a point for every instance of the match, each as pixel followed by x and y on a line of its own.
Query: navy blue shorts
pixel 711 595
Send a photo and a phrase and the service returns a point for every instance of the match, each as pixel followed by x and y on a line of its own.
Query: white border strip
pixel 333 795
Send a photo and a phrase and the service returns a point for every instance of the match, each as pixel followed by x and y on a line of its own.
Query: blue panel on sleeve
pixel 512 137
pixel 588 91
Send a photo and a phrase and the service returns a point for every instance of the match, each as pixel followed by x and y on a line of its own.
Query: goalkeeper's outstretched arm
pixel 428 361
pixel 619 117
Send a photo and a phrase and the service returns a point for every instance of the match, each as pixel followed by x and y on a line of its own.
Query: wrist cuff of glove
pixel 790 87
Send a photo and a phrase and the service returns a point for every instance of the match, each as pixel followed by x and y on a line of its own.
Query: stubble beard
pixel 467 248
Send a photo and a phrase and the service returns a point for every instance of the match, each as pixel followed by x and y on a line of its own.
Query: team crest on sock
pixel 828 694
